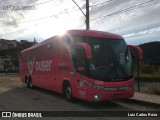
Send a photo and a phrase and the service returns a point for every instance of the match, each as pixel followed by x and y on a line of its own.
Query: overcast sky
pixel 138 21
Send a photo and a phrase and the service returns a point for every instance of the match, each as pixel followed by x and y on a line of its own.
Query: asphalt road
pixel 14 96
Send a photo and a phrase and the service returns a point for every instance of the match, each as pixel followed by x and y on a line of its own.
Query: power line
pixel 60 13
pixel 55 15
pixel 124 10
pixel 83 25
pixel 100 3
pixel 33 20
pixel 40 4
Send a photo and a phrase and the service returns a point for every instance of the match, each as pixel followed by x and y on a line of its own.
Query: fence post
pixel 138 77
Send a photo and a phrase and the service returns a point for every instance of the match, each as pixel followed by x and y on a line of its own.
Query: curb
pixel 156 105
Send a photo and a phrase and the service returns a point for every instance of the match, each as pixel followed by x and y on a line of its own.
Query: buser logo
pixel 30 64
pixel 44 65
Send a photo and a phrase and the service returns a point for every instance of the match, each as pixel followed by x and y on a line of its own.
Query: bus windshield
pixel 111 59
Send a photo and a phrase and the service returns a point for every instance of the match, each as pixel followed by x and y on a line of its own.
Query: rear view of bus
pixel 103 65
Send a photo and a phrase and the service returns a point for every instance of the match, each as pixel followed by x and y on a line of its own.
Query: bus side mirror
pixel 138 50
pixel 87 49
pixel 81 54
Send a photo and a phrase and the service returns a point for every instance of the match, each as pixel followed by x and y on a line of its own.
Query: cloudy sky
pixel 138 21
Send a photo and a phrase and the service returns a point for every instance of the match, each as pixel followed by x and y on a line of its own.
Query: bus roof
pixel 87 33
pixel 94 33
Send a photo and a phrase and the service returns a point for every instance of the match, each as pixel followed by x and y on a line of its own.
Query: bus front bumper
pixel 97 93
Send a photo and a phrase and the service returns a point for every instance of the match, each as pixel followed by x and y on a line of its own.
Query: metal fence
pixel 149 78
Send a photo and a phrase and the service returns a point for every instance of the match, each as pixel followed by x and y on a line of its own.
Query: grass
pixel 154 77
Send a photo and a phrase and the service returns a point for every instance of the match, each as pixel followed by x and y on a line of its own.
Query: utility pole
pixel 87 14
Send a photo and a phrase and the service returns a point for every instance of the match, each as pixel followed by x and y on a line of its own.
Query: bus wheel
pixel 29 83
pixel 68 92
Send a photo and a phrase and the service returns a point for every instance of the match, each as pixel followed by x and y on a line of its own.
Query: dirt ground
pixel 10 82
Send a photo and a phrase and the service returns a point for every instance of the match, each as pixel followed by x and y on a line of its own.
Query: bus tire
pixel 68 92
pixel 29 82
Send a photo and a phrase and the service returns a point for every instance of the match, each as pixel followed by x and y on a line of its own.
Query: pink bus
pixel 85 64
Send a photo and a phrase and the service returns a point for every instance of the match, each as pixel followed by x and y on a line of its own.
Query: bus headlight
pixel 96 97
